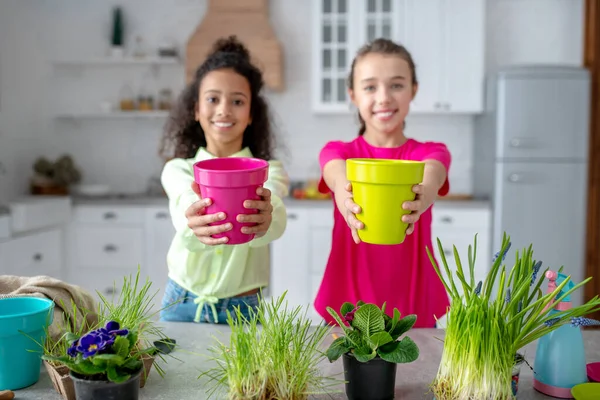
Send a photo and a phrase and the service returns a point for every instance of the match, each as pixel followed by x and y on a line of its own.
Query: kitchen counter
pixel 441 203
pixel 151 201
pixel 181 380
pixel 126 201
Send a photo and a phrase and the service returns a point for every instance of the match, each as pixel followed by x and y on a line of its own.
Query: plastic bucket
pixel 380 186
pixel 23 323
pixel 230 181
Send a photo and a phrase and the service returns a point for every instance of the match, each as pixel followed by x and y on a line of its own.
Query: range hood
pixel 249 21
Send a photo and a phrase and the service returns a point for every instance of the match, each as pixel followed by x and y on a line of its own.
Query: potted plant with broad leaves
pixel 104 363
pixel 371 348
pixel 272 353
pixel 490 322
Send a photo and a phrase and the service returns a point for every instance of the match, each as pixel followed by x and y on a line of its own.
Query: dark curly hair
pixel 183 135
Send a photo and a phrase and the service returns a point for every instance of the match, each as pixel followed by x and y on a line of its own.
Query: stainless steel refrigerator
pixel 530 159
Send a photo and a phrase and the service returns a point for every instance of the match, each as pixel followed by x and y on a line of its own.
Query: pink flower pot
pixel 228 182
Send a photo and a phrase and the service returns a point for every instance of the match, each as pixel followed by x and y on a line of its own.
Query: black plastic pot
pixel 373 380
pixel 87 389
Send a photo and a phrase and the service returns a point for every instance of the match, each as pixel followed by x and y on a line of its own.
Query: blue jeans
pixel 178 305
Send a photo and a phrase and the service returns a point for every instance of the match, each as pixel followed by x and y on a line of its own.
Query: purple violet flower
pixel 112 328
pixel 97 341
pixel 93 343
pixel 72 350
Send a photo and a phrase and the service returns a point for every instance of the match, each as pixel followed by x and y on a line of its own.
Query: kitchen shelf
pixel 116 115
pixel 152 61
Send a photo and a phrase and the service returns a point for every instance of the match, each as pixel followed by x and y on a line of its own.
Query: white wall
pixel 123 153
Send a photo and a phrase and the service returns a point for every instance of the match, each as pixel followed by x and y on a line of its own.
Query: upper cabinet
pixel 445 37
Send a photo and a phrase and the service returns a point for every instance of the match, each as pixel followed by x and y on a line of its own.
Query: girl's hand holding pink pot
pixel 263 218
pixel 351 210
pixel 418 206
pixel 199 222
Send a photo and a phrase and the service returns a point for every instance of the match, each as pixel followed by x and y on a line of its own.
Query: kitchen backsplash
pixel 123 153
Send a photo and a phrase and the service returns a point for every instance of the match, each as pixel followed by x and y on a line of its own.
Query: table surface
pixel 193 340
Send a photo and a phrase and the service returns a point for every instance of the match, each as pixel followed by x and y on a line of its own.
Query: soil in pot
pixel 96 389
pixel 373 380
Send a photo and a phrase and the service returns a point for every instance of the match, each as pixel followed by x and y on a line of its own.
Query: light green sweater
pixel 221 271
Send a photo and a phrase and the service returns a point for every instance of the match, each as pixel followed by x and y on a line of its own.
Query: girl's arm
pixel 434 177
pixel 278 183
pixel 334 175
pixel 177 179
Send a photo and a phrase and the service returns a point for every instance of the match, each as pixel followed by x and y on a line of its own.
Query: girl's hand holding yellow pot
pixel 350 215
pixel 417 207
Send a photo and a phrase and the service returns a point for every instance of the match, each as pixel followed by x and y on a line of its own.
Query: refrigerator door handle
pixel 515 177
pixel 522 143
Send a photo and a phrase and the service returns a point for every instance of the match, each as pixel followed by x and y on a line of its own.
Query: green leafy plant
pixel 106 353
pixel 489 322
pixel 370 332
pixel 272 354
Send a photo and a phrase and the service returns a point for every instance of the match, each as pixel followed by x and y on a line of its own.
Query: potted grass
pixel 489 322
pixel 371 349
pixel 134 308
pixel 273 354
pixel 104 363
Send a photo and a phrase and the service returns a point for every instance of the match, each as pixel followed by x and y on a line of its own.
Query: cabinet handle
pixel 437 105
pixel 448 253
pixel 514 178
pixel 110 215
pixel 446 220
pixel 447 106
pixel 110 290
pixel 161 215
pixel 37 257
pixel 110 248
pixel 292 216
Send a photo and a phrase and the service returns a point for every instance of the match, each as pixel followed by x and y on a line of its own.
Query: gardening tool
pixel 6 395
pixel 560 357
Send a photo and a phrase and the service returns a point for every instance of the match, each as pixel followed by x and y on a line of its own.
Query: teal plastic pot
pixel 23 323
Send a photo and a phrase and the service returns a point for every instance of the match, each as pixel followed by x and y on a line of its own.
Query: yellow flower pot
pixel 380 186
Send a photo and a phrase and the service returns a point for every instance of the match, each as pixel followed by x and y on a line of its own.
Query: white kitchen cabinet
pixel 38 253
pixel 159 234
pixel 105 244
pixel 445 38
pixel 290 260
pixel 457 228
pixel 299 257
